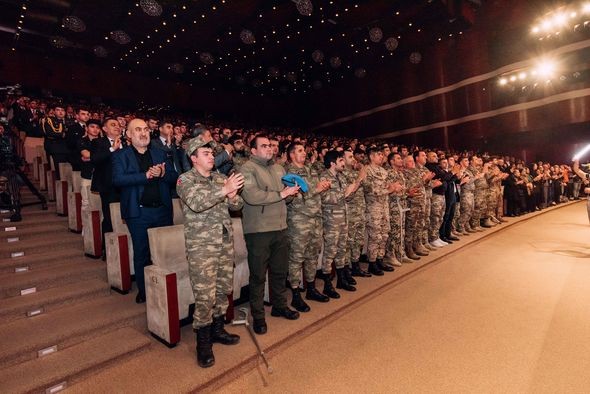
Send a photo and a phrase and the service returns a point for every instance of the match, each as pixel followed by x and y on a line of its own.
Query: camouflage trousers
pixel 356 236
pixel 335 239
pixel 437 212
pixel 397 233
pixel 479 207
pixel 467 202
pixel 492 203
pixel 414 222
pixel 305 237
pixel 211 272
pixel 378 226
pixel 456 225
pixel 427 210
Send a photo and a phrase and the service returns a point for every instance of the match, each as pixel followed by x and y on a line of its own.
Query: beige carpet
pixel 507 313
pixel 510 314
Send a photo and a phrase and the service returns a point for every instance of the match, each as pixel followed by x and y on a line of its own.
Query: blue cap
pixel 292 179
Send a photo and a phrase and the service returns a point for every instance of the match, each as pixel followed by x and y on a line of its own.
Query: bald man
pixel 145 177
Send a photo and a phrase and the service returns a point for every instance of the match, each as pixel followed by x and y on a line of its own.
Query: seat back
pixel 119 225
pixel 177 215
pixel 76 185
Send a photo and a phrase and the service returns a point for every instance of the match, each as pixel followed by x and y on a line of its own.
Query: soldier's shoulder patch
pixel 179 181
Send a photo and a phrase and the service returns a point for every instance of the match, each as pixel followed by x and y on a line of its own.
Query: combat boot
pixel 314 295
pixel 329 288
pixel 219 335
pixel 383 267
pixel 341 282
pixel 358 271
pixel 297 302
pixel 205 356
pixel 375 270
pixel 408 260
pixel 420 251
pixel 428 246
pixel 495 220
pixel 348 275
pixel 487 223
pixel 411 254
pixel 392 260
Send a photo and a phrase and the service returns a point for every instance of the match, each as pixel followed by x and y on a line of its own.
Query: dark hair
pixel 372 149
pixel 291 147
pixel 81 108
pixel 331 157
pixel 104 122
pixel 254 142
pixel 392 155
pixel 416 153
pixel 233 138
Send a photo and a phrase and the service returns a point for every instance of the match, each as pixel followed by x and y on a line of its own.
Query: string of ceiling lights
pixel 566 18
pixel 19 24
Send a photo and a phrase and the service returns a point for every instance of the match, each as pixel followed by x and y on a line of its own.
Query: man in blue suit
pixel 145 177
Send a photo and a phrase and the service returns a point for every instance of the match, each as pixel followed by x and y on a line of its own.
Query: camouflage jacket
pixel 333 198
pixel 375 185
pixel 413 177
pixel 481 183
pixel 205 208
pixel 394 176
pixel 468 187
pixel 424 170
pixel 355 201
pixel 307 204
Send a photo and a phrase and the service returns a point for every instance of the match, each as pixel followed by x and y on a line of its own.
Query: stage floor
pixel 506 313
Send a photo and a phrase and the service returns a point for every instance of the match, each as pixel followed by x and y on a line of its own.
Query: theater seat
pixel 75 203
pixel 62 187
pixel 177 216
pixel 91 223
pixel 119 251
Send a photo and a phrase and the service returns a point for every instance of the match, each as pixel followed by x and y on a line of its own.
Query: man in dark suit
pixel 100 157
pixel 54 130
pixel 145 177
pixel 74 134
pixel 165 142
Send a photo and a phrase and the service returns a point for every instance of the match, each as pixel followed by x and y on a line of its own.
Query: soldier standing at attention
pixel 206 197
pixel 415 214
pixel 304 224
pixel 355 213
pixel 467 197
pixel 335 227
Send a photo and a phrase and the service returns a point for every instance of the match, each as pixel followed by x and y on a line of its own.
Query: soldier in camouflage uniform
pixel 377 189
pixel 427 175
pixel 467 198
pixel 494 181
pixel 479 194
pixel 335 227
pixel 395 253
pixel 415 214
pixel 304 226
pixel 206 197
pixel 355 213
pixel 438 200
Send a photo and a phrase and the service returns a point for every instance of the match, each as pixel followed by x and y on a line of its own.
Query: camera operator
pixel 14 177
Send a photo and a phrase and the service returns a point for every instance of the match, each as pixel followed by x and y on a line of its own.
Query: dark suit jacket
pixel 131 180
pixel 74 134
pixel 171 153
pixel 100 157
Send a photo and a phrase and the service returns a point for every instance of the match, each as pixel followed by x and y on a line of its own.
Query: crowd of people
pixel 312 206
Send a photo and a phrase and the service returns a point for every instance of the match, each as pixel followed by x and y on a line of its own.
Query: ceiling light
pixel 503 81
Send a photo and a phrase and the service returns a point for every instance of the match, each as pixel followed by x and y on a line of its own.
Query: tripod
pixel 13 178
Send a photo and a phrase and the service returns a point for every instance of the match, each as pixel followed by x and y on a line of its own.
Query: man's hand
pixel 414 192
pixel 322 186
pixel 117 143
pixel 85 155
pixel 464 180
pixel 290 191
pixel 436 183
pixel 232 184
pixel 394 187
pixel 362 174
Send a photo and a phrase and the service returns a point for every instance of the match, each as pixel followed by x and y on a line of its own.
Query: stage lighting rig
pixel 572 18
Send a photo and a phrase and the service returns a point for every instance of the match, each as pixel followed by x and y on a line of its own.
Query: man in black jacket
pixel 450 168
pixel 100 156
pixel 54 129
pixel 74 134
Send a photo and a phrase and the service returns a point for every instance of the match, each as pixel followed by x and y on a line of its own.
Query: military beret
pixel 292 179
pixel 195 143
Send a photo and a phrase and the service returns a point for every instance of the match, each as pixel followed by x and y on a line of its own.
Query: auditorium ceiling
pixel 265 47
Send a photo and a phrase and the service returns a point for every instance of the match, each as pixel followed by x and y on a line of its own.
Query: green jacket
pixel 264 208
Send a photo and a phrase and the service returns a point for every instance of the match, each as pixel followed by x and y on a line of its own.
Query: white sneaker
pixel 436 244
pixel 442 242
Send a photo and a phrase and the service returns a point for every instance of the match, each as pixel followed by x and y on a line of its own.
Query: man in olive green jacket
pixel 265 230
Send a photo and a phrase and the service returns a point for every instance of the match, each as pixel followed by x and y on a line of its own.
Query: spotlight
pixel 513 78
pixel 546 68
pixel 559 20
pixel 522 76
pixel 535 30
pixel 503 81
pixel 586 8
pixel 546 24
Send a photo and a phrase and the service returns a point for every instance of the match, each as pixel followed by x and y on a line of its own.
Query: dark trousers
pixel 447 224
pixel 138 227
pixel 268 250
pixel 106 198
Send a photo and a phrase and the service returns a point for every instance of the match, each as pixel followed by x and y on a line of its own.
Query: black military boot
pixel 348 275
pixel 219 335
pixel 375 270
pixel 297 302
pixel 358 271
pixel 314 295
pixel 341 282
pixel 384 267
pixel 328 288
pixel 205 356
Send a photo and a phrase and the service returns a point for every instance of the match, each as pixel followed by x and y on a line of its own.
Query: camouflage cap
pixel 195 143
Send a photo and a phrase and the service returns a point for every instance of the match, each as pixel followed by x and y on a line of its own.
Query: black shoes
pixel 140 298
pixel 259 326
pixel 375 270
pixel 342 282
pixel 452 238
pixel 384 267
pixel 284 312
pixel 204 349
pixel 297 302
pixel 329 288
pixel 219 335
pixel 314 295
pixel 348 275
pixel 357 271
